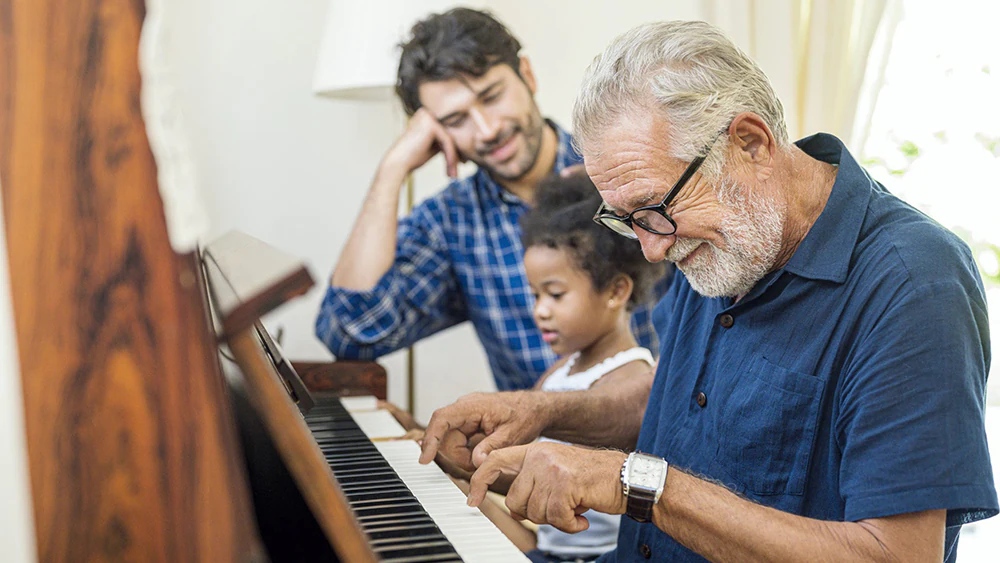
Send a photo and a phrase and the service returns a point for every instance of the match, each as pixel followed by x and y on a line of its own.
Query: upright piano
pixel 327 478
pixel 147 441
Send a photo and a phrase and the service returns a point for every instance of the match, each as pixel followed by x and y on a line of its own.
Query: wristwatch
pixel 643 477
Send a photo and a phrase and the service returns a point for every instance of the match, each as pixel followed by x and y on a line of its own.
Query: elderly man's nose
pixel 654 247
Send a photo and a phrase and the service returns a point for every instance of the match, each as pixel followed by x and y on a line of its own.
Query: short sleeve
pixel 911 409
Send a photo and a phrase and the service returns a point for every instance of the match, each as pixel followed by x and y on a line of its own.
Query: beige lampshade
pixel 359 54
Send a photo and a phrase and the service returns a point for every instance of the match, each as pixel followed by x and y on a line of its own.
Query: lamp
pixel 358 60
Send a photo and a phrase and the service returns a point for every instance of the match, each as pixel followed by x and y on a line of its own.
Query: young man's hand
pixel 424 137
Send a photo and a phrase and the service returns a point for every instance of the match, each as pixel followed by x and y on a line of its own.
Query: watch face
pixel 645 473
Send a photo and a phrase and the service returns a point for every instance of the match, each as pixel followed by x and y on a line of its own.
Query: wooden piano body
pixel 133 447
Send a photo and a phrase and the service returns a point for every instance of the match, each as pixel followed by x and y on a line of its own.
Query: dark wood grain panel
pixel 130 442
pixel 343 377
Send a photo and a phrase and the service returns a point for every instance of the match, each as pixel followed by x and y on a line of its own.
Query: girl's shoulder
pixel 633 362
pixel 635 357
pixel 562 364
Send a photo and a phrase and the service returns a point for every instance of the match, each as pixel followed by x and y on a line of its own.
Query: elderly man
pixel 823 360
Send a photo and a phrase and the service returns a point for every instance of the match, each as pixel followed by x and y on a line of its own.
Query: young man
pixel 458 256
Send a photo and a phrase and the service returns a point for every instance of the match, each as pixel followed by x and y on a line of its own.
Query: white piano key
pixel 378 424
pixel 475 538
pixel 359 404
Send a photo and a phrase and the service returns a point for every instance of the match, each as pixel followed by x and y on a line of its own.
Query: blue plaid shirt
pixel 458 258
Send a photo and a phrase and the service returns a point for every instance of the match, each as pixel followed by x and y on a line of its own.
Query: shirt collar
pixel 566 156
pixel 826 252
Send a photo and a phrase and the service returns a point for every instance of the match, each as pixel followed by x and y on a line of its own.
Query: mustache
pixel 502 137
pixel 681 248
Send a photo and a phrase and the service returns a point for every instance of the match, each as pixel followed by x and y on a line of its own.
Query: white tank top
pixel 602 535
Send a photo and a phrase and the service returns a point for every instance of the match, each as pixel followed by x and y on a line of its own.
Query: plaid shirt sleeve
pixel 416 298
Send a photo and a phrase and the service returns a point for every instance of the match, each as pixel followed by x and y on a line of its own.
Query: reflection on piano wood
pixel 377 503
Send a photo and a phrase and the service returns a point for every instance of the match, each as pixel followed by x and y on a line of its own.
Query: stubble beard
pixel 532 129
pixel 752 230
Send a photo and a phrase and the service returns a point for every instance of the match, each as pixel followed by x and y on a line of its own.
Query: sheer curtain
pixel 823 56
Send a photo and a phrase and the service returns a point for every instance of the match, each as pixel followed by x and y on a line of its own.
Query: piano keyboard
pixel 412 513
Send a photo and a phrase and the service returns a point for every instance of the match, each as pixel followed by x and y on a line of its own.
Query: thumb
pixel 577 525
pixel 494 441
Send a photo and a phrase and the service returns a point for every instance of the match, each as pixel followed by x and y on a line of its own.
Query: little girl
pixel 585 280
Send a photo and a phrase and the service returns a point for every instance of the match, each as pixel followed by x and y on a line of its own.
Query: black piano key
pixel 424 547
pixel 399 528
pixel 411 520
pixel 400 532
pixel 427 552
pixel 433 558
pixel 384 512
pixel 370 487
pixel 369 498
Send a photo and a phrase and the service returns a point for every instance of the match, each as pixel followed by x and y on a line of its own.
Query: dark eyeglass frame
pixel 604 214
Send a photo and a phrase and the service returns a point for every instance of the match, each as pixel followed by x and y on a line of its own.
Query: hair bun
pixel 557 193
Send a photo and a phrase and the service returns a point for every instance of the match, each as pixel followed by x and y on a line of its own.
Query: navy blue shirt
pixel 849 384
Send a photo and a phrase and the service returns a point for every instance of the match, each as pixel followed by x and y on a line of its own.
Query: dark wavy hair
pixel 444 46
pixel 563 219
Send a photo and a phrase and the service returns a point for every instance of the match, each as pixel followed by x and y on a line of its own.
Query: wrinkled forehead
pixel 631 164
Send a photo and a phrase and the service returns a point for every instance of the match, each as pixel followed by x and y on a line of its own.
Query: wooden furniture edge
pixel 343 377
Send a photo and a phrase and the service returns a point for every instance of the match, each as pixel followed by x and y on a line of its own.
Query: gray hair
pixel 690 71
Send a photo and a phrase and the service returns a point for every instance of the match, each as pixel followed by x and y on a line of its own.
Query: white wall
pixel 16 521
pixel 292 169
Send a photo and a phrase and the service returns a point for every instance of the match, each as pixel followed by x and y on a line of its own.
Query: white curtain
pixel 824 57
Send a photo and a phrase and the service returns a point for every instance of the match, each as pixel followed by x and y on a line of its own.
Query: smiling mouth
pixel 504 150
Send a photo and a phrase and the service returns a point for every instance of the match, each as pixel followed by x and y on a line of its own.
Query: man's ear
pixel 528 75
pixel 754 144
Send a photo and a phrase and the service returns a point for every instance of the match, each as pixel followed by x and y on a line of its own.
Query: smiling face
pixel 728 235
pixel 493 119
pixel 571 313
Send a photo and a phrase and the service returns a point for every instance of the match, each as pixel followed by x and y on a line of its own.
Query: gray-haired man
pixel 820 390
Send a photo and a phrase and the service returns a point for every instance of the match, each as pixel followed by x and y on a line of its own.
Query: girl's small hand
pixel 417 434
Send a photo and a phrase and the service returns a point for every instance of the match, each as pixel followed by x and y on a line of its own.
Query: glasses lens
pixel 618 226
pixel 653 222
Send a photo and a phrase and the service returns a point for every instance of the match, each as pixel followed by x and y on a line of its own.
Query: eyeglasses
pixel 651 218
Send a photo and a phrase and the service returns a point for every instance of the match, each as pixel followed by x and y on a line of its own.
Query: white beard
pixel 752 231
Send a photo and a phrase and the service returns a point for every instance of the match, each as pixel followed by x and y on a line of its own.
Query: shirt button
pixel 645 551
pixel 701 399
pixel 726 320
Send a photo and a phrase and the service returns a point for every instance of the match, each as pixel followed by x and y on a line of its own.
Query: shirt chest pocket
pixel 767 428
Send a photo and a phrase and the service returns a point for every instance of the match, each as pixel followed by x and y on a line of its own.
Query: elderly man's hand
pixel 481 423
pixel 554 483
